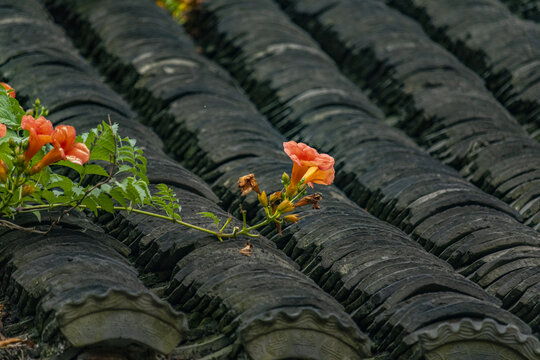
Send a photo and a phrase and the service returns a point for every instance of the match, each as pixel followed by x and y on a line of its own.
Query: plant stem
pixel 236 231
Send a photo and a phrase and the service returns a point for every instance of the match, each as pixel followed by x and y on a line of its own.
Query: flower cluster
pixel 41 133
pixel 309 167
pixel 29 143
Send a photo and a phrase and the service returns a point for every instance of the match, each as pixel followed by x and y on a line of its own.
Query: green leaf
pixel 106 203
pixel 37 215
pixel 10 110
pixel 91 203
pixel 94 169
pixel 78 168
pixel 77 191
pixel 103 144
pixel 106 188
pixel 6 116
pixel 118 194
pixel 210 215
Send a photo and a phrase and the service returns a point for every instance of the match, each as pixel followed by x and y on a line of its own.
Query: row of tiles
pixel 155 70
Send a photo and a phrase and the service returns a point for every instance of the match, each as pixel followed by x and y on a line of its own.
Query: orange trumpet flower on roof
pixel 3 130
pixel 40 130
pixel 65 148
pixel 309 165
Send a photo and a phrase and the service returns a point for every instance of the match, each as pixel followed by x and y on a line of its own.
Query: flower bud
pixel 275 197
pixel 28 190
pixel 290 191
pixel 285 179
pixel 285 206
pixel 263 200
pixel 12 144
pixel 3 171
pixel 19 161
pixel 291 218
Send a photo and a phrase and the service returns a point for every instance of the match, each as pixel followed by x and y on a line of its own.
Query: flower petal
pixel 308 164
pixel 41 125
pixel 9 89
pixel 78 154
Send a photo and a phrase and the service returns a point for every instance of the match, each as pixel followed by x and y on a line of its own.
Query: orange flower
pixel 2 130
pixel 65 147
pixel 40 134
pixel 9 89
pixel 308 165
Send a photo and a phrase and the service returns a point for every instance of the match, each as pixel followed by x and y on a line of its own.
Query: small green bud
pixel 285 179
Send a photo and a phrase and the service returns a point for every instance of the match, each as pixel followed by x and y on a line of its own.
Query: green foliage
pixel 212 216
pixel 117 168
pixel 166 200
pixel 10 111
pixel 116 160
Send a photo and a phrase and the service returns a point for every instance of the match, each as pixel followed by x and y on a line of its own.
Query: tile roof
pixel 426 247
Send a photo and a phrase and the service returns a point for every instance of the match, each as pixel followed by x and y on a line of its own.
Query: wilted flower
pixel 276 196
pixel 310 199
pixel 308 165
pixel 65 147
pixel 246 250
pixel 247 183
pixel 40 130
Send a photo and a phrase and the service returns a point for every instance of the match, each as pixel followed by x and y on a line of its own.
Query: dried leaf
pixel 246 250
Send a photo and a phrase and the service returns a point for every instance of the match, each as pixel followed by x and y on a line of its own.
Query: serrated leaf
pixel 78 168
pixel 210 215
pixel 10 111
pixel 48 196
pixel 106 203
pixel 77 191
pixel 94 169
pixel 106 188
pixel 123 168
pixel 118 194
pixel 90 203
pixel 162 187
